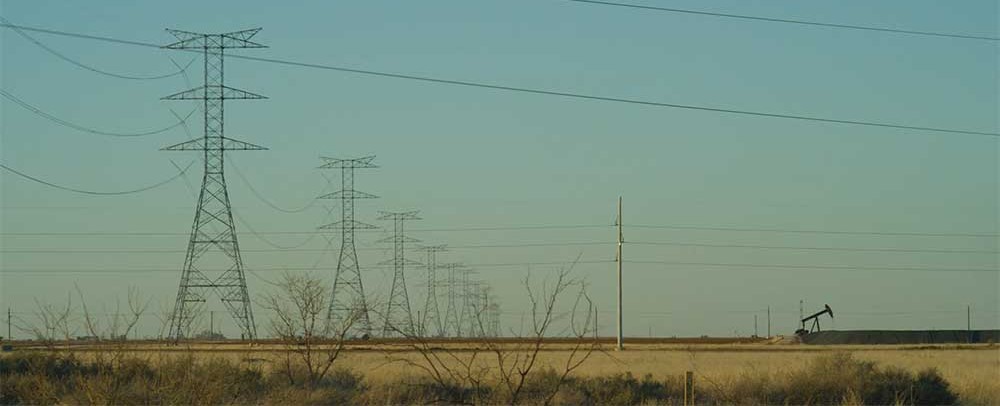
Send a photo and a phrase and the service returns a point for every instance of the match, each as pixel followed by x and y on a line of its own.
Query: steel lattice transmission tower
pixel 452 323
pixel 348 300
pixel 213 262
pixel 398 317
pixel 432 313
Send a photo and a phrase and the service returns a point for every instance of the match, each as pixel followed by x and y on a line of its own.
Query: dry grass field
pixel 973 371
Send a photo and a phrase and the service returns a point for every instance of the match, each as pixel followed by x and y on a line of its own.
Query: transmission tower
pixel 348 303
pixel 398 317
pixel 470 298
pixel 452 324
pixel 213 262
pixel 432 313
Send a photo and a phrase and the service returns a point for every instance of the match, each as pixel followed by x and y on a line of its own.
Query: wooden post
pixel 689 388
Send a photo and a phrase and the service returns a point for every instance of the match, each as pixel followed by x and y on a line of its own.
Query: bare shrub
pixel 311 341
pixel 499 371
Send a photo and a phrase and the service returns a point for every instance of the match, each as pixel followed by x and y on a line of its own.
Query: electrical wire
pixel 98 193
pixel 818 267
pixel 522 245
pixel 252 230
pixel 800 231
pixel 91 68
pixel 174 251
pixel 253 190
pixel 455 229
pixel 537 227
pixel 283 269
pixel 57 120
pixel 790 21
pixel 557 93
pixel 800 248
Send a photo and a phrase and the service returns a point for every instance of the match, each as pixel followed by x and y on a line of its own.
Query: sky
pixel 472 157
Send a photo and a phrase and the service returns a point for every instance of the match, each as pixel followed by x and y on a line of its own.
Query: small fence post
pixel 689 388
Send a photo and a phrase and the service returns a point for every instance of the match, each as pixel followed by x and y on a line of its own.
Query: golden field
pixel 973 371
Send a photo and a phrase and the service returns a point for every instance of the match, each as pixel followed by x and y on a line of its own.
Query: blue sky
pixel 469 157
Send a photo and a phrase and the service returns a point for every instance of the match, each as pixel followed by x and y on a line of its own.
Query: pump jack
pixel 815 319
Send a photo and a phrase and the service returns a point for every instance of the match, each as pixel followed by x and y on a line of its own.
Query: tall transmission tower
pixel 470 298
pixel 452 324
pixel 213 262
pixel 398 317
pixel 431 319
pixel 348 303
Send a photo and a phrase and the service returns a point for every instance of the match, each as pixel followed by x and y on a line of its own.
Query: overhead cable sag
pixel 549 92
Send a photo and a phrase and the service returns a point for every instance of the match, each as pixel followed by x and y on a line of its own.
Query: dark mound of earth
pixel 902 337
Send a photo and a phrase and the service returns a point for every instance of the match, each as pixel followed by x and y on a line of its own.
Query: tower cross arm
pixel 363 162
pixel 193 40
pixel 228 144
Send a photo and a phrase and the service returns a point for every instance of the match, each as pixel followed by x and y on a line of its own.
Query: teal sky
pixel 470 157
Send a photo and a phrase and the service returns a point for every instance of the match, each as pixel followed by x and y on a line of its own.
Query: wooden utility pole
pixel 769 322
pixel 621 242
pixel 755 335
pixel 968 322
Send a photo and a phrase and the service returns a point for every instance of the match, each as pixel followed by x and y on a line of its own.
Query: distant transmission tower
pixel 452 324
pixel 213 262
pixel 348 298
pixel 398 317
pixel 470 299
pixel 432 313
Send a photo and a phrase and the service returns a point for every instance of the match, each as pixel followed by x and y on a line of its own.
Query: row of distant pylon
pixel 478 314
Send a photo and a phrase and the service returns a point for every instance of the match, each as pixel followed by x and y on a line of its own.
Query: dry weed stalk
pixel 510 364
pixel 300 321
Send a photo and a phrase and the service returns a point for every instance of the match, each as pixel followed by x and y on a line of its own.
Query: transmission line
pixel 263 199
pixel 789 21
pixel 522 245
pixel 818 267
pixel 72 61
pixel 543 227
pixel 552 263
pixel 799 231
pixel 565 94
pixel 57 120
pixel 286 268
pixel 801 248
pixel 98 193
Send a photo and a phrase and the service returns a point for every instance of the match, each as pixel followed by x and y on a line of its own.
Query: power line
pixel 790 21
pixel 517 245
pixel 800 231
pixel 616 99
pixel 455 229
pixel 261 197
pixel 290 269
pixel 175 251
pixel 91 192
pixel 546 227
pixel 818 267
pixel 62 56
pixel 57 120
pixel 549 263
pixel 782 247
pixel 565 94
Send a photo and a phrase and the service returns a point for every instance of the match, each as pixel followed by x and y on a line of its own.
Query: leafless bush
pixel 52 323
pixel 498 370
pixel 310 339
